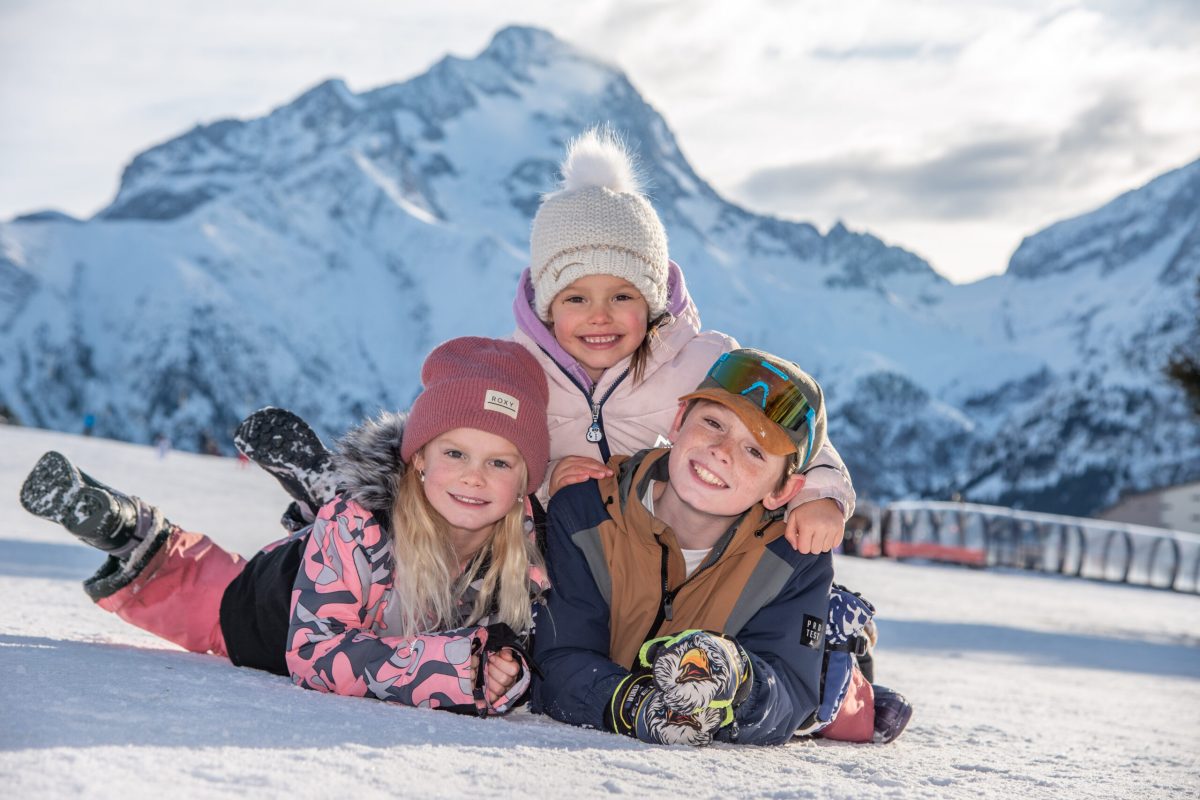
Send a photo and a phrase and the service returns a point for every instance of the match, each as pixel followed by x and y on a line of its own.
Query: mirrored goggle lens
pixel 780 400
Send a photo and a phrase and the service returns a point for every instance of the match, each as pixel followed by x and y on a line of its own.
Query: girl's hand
pixel 501 673
pixel 815 527
pixel 576 469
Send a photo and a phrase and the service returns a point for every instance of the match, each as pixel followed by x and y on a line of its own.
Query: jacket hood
pixel 679 301
pixel 368 463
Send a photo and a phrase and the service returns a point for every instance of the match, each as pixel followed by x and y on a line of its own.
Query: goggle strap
pixel 766 392
pixel 810 422
pixel 776 370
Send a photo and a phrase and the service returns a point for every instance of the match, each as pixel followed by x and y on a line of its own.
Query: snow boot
pixel 117 573
pixel 892 713
pixel 284 445
pixel 94 513
pixel 293 518
pixel 865 654
pixel 129 530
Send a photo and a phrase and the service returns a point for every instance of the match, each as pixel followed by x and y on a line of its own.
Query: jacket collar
pixel 628 484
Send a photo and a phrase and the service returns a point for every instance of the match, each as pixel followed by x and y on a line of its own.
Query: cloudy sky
pixel 950 128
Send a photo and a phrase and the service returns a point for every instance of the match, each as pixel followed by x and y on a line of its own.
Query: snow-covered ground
pixel 1025 686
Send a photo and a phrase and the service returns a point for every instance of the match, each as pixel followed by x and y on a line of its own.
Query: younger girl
pixel 413 585
pixel 609 319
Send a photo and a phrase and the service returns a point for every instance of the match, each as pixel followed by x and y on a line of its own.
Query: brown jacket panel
pixel 633 543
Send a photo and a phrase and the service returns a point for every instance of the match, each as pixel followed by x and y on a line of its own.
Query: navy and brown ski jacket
pixel 618 578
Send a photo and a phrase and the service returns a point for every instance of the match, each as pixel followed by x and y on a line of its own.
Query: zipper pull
pixel 669 606
pixel 594 434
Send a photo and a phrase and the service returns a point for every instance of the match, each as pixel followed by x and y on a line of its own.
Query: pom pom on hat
pixel 596 159
pixel 598 223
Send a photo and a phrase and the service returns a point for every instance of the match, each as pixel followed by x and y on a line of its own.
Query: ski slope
pixel 1025 686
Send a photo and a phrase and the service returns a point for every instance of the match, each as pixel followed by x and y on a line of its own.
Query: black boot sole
pixel 56 490
pixel 284 445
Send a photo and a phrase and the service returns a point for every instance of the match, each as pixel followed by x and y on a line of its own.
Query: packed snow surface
pixel 1025 686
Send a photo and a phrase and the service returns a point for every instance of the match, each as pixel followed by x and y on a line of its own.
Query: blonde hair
pixel 429 585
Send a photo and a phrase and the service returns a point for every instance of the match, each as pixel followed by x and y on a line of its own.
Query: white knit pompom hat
pixel 597 223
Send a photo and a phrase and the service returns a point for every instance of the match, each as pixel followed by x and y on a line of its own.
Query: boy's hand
pixel 576 469
pixel 658 723
pixel 815 527
pixel 638 708
pixel 698 670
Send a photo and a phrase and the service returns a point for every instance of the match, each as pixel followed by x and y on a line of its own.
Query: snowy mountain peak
pixel 870 262
pixel 329 96
pixel 1156 226
pixel 311 257
pixel 175 178
pixel 518 47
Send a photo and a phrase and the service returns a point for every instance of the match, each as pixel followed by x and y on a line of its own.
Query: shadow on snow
pixel 1051 648
pixel 80 694
pixel 22 559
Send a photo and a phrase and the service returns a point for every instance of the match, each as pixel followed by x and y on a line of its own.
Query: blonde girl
pixel 413 585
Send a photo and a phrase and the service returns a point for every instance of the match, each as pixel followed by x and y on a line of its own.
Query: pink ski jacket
pixel 343 614
pixel 634 417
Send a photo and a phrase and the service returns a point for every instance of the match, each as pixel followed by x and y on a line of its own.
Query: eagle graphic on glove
pixel 684 690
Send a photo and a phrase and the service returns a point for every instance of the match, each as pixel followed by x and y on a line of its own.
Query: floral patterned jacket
pixel 343 608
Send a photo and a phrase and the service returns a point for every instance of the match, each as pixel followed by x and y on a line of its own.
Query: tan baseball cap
pixel 757 386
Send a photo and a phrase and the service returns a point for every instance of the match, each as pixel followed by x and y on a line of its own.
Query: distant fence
pixel 983 536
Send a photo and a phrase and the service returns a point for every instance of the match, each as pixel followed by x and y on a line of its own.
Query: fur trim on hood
pixel 368 464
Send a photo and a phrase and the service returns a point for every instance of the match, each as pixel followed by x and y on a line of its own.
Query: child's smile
pixel 468 501
pixel 599 320
pixel 472 478
pixel 707 477
pixel 718 468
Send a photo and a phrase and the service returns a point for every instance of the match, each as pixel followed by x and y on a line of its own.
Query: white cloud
pixel 901 117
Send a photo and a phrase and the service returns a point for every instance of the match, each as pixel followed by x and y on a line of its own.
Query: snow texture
pixel 1027 686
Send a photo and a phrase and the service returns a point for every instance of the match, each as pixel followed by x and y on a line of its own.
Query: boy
pixel 678 612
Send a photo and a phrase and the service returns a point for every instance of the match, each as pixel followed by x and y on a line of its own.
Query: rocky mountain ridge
pixel 311 257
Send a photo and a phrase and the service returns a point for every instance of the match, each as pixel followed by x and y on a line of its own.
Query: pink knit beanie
pixel 488 384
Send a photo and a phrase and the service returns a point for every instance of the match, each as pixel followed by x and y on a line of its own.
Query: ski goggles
pixel 775 394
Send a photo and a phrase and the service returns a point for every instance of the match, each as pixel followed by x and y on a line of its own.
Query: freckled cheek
pixel 748 473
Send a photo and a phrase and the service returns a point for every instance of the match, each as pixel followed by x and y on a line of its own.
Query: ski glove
pixel 685 689
pixel 639 709
pixel 697 670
